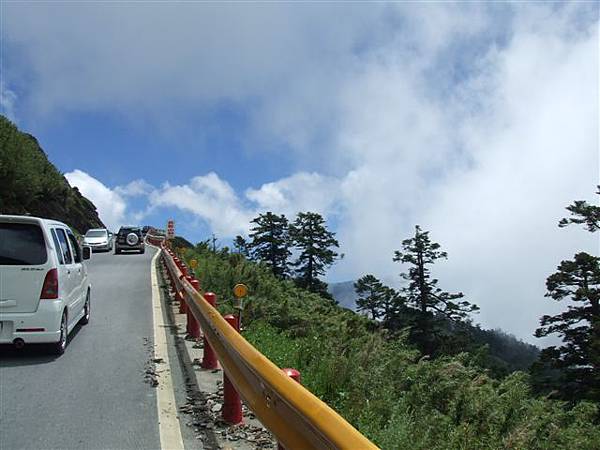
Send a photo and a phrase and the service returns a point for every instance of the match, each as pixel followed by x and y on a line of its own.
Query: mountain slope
pixel 32 185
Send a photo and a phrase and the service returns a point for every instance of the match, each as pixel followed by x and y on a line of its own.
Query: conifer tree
pixel 583 213
pixel 270 242
pixel 241 246
pixel 315 244
pixel 422 291
pixel 370 293
pixel 380 301
pixel 577 281
pixel 393 302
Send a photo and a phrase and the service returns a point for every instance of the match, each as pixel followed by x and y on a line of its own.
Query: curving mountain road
pixel 94 396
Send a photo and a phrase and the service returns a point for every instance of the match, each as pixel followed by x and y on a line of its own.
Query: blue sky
pixel 478 121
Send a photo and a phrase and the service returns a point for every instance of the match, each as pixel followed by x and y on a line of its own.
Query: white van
pixel 44 285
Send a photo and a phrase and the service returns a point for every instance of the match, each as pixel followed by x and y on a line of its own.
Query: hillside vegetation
pixel 505 353
pixel 381 382
pixel 32 185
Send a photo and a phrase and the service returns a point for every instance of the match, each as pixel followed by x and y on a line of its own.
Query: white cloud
pixel 209 198
pixel 194 54
pixel 215 202
pixel 110 205
pixel 135 188
pixel 299 192
pixel 488 169
pixel 535 155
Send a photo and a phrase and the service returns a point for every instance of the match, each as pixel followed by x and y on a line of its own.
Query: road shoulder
pixel 199 392
pixel 168 420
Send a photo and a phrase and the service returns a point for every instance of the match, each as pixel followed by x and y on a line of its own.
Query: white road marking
pixel 168 422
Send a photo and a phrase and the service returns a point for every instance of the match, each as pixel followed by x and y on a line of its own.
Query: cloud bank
pixel 110 204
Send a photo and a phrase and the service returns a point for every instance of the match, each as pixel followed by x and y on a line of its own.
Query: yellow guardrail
pixel 297 418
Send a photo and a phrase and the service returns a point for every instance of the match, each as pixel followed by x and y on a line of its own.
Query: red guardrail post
pixel 294 375
pixel 232 404
pixel 170 276
pixel 192 326
pixel 209 359
pixel 182 306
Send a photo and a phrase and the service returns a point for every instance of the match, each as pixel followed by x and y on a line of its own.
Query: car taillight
pixel 50 287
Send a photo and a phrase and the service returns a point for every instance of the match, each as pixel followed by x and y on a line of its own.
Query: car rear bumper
pixel 96 247
pixel 129 247
pixel 45 321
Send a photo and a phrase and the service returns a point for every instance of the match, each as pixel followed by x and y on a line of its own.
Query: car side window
pixel 75 246
pixel 64 246
pixel 59 252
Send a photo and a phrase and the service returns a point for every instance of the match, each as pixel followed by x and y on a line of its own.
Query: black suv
pixel 129 238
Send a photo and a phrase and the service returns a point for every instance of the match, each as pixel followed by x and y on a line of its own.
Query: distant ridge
pixel 31 184
pixel 505 350
pixel 344 294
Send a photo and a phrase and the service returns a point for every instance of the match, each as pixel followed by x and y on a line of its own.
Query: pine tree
pixel 315 244
pixel 579 326
pixel 241 246
pixel 370 293
pixel 583 213
pixel 577 281
pixel 422 291
pixel 393 302
pixel 270 242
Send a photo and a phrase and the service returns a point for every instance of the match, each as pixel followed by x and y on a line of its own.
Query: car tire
pixel 58 348
pixel 117 251
pixel 86 310
pixel 142 251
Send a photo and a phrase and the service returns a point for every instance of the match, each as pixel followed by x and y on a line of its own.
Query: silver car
pixel 98 239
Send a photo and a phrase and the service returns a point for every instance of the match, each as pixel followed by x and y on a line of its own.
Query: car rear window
pixel 22 244
pixel 96 233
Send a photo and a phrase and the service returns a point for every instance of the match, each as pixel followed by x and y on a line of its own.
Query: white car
pixel 44 284
pixel 98 239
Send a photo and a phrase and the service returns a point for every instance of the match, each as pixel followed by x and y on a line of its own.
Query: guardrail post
pixel 192 326
pixel 182 305
pixel 179 295
pixel 209 359
pixel 184 270
pixel 294 375
pixel 232 404
pixel 171 279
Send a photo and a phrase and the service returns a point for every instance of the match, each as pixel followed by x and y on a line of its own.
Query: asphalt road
pixel 94 396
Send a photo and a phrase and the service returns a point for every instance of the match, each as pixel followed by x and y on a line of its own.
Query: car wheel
pixel 86 311
pixel 59 347
pixel 117 251
pixel 142 251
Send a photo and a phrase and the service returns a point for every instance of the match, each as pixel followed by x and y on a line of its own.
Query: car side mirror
pixel 87 252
